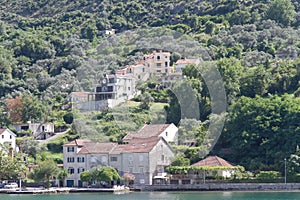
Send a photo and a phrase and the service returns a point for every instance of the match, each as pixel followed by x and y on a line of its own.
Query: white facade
pixel 39 131
pixel 114 90
pixel 7 138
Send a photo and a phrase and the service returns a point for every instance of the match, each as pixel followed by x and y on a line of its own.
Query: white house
pixel 113 90
pixel 7 138
pixel 168 131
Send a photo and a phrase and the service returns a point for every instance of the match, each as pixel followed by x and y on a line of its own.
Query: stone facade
pixel 143 158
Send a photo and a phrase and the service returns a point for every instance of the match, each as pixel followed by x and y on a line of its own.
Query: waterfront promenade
pixel 222 187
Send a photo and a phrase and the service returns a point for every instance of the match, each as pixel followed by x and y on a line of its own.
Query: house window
pixel 70 149
pixel 142 181
pixel 71 170
pixel 70 159
pixel 130 158
pixel 2 136
pixel 141 158
pixel 10 137
pixel 158 64
pixel 80 159
pixel 104 159
pixel 166 64
pixel 80 169
pixel 166 134
pixel 162 157
pixel 141 170
pixel 158 57
pixel 128 88
pixel 143 69
pixel 130 170
pixel 114 159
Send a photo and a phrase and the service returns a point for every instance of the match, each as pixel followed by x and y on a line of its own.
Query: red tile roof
pixel 186 61
pixel 80 94
pixel 98 147
pixel 138 145
pixel 213 161
pixel 147 131
pixel 78 142
pixel 9 131
pixel 2 130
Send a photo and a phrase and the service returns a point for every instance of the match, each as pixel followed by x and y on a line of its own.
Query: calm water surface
pixel 162 195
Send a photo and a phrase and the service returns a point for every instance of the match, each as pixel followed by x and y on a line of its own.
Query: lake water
pixel 161 196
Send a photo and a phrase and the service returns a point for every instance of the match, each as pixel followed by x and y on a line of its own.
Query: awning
pixel 160 177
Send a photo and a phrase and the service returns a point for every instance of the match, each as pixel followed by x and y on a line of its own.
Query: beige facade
pixel 158 63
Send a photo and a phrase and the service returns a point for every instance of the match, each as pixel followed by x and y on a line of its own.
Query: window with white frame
pixel 80 169
pixel 71 170
pixel 113 159
pixel 71 149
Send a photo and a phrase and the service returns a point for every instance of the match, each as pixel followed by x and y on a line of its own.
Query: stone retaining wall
pixel 222 187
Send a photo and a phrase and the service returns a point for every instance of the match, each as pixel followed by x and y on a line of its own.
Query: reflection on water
pixel 161 195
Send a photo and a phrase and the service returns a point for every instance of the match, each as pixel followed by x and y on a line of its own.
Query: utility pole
pixel 284 170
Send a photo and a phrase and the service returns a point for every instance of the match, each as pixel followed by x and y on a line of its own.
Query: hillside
pixel 50 48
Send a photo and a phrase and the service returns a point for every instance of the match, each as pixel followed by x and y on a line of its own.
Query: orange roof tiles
pixel 139 145
pixel 80 94
pixel 77 142
pixel 213 161
pixel 186 61
pixel 148 130
pixel 98 147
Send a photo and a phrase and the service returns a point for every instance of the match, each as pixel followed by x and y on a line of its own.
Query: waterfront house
pixel 215 161
pixel 143 158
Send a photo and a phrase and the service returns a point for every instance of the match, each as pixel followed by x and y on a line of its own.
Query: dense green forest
pixel 50 48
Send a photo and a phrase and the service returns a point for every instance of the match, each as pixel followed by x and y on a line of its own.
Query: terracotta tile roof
pixel 138 145
pixel 2 130
pixel 80 94
pixel 213 161
pixel 98 147
pixel 186 61
pixel 147 131
pixel 78 142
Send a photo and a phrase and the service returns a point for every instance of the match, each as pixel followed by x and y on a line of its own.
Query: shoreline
pixel 228 187
pixel 223 187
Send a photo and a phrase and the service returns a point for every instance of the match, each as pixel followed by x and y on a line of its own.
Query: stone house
pixel 39 130
pixel 144 158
